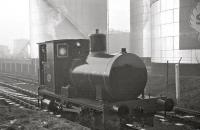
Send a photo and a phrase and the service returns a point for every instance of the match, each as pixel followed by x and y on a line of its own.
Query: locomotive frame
pixel 58 58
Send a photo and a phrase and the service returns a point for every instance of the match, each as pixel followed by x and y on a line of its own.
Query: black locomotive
pixel 101 90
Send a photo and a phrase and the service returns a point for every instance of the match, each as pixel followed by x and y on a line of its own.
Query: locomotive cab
pixel 56 61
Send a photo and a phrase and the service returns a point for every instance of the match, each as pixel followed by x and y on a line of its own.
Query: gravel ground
pixel 25 119
pixel 159 125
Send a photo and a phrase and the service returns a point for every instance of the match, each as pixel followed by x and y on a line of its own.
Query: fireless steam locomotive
pixel 100 90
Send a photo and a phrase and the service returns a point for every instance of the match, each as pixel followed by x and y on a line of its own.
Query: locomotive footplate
pixel 112 116
pixel 96 105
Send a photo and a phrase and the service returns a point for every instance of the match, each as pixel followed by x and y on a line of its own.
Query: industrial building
pixel 164 30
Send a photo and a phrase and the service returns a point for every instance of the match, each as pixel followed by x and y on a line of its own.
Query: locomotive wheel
pixel 86 118
pixel 71 116
pixel 91 119
pixel 52 106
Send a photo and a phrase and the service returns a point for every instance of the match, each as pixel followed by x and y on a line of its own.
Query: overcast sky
pixel 119 14
pixel 14 18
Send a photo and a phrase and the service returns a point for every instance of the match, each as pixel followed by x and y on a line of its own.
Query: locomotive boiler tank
pixel 111 77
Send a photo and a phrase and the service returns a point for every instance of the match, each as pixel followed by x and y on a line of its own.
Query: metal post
pixel 167 77
pixel 10 67
pixel 35 67
pixel 5 68
pixel 15 67
pixel 21 68
pixel 177 78
pixel 0 66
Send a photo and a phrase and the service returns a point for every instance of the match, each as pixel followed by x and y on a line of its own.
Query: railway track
pixel 15 98
pixel 11 96
pixel 171 119
pixel 181 110
pixel 22 98
pixel 15 95
pixel 181 116
pixel 19 78
pixel 19 89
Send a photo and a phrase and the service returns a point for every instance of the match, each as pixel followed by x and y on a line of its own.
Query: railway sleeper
pixel 23 91
pixel 21 101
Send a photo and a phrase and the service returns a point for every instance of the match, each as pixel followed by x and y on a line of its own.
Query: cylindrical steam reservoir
pixel 120 77
pixel 109 77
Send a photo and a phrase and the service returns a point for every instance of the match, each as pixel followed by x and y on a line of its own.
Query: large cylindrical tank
pixel 120 77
